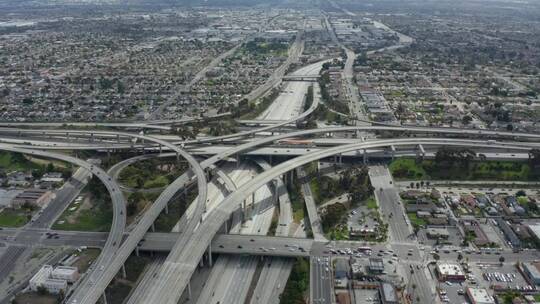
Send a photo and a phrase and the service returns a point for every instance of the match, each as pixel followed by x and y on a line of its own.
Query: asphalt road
pixel 390 204
pixel 321 277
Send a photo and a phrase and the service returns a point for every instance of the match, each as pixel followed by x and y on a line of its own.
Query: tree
pixel 459 257
pixel 42 290
pixel 412 185
pixel 501 260
pixel 521 193
pixel 436 256
pixel 466 120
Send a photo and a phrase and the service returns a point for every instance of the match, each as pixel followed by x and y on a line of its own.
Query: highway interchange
pixel 287 166
pixel 198 231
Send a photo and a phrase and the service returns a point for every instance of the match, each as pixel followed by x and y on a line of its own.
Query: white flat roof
pixel 449 269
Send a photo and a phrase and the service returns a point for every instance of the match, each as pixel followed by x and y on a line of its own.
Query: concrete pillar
pixel 271 162
pixel 167 209
pixel 237 160
pixel 189 290
pixel 104 298
pixel 201 263
pixel 365 157
pixel 118 137
pixel 124 274
pixel 244 211
pixel 137 251
pixel 210 255
pixel 153 227
pixel 160 147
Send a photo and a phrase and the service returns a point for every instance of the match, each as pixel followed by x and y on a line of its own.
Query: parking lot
pixel 492 274
pixel 366 296
pixel 454 237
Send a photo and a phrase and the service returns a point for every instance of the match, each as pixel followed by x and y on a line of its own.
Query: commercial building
pixel 450 272
pixel 437 233
pixel 388 294
pixel 508 233
pixel 70 274
pixel 376 265
pixel 35 197
pixel 341 269
pixel 479 296
pixel 532 271
pixel 534 229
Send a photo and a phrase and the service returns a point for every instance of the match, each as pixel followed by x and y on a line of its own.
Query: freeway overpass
pixel 183 259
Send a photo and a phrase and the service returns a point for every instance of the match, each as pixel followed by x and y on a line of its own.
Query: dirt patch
pixel 35 298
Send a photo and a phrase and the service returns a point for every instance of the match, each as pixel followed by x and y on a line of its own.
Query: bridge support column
pixel 365 156
pixel 153 227
pixel 104 298
pixel 270 160
pixel 201 262
pixel 167 209
pixel 292 177
pixel 420 153
pixel 189 290
pixel 393 151
pixel 237 160
pixel 118 138
pixel 137 251
pixel 160 147
pixel 124 274
pixel 244 211
pixel 210 255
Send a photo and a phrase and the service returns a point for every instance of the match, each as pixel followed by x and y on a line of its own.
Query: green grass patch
pixel 14 217
pixel 408 168
pixel 152 173
pixel 95 217
pixel 297 201
pixel 371 203
pixel 166 222
pixel 415 220
pixel 338 234
pixel 10 161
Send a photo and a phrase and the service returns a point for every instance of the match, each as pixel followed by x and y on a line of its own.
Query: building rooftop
pixel 449 269
pixel 388 292
pixel 480 296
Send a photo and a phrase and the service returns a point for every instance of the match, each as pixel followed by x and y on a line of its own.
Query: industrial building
pixel 43 279
pixel 54 280
pixel 35 197
pixel 70 274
